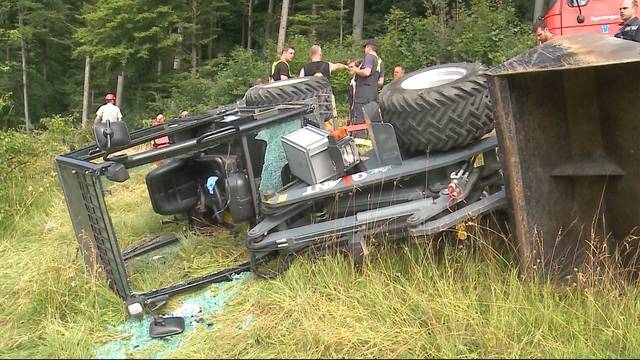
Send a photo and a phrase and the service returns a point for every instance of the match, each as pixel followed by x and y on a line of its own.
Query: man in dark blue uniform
pixel 369 76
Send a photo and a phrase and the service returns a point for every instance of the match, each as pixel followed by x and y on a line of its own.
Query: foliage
pixel 489 33
pixel 322 26
pixel 486 32
pixel 232 75
pixel 26 165
pixel 7 109
pixel 48 27
pixel 120 31
pixel 157 42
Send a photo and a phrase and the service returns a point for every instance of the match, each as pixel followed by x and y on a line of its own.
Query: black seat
pixel 172 188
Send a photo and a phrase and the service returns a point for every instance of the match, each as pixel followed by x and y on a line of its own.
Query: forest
pixel 59 57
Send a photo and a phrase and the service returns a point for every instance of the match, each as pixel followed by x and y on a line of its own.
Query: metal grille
pixel 92 224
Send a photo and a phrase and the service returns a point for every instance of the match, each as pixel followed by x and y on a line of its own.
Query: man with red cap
pixel 108 111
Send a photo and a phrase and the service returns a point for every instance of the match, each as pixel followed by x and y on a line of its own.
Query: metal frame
pixel 409 212
pixel 81 180
pixel 421 216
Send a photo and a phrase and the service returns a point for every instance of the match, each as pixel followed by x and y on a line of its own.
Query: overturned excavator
pixel 562 161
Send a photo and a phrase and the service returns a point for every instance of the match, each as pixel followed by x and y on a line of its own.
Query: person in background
pixel 369 76
pixel 541 32
pixel 280 69
pixel 351 89
pixel 163 141
pixel 109 111
pixel 629 29
pixel 317 67
pixel 184 114
pixel 398 72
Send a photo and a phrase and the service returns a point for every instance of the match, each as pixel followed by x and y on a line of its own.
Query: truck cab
pixel 566 17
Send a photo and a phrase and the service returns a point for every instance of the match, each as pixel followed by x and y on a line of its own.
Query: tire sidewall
pixel 440 117
pixel 293 89
pixel 283 83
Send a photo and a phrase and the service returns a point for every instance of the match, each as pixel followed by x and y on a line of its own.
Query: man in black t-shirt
pixel 368 77
pixel 629 29
pixel 280 69
pixel 320 68
pixel 317 67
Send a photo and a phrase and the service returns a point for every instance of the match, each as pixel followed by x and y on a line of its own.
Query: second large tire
pixel 295 89
pixel 438 108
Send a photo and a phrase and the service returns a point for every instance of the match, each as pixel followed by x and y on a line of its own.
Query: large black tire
pixel 295 89
pixel 438 108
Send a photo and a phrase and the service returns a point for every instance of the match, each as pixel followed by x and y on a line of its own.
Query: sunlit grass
pixel 407 301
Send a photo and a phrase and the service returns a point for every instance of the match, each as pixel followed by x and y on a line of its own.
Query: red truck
pixel 565 17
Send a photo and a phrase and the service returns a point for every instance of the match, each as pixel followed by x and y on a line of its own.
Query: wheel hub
pixel 433 78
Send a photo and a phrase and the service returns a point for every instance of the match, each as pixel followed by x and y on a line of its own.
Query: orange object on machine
pixel 371 114
pixel 339 133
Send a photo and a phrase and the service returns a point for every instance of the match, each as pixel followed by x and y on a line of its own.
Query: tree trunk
pixel 537 9
pixel 23 53
pixel 194 43
pixel 442 14
pixel 212 22
pixel 159 68
pixel 119 88
pixel 249 24
pixel 341 14
pixel 194 59
pixel 85 91
pixel 45 55
pixel 243 33
pixel 177 59
pixel 283 25
pixel 314 14
pixel 358 20
pixel 268 23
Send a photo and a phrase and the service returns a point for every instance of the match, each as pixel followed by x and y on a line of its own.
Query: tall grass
pixel 411 302
pixel 407 301
pixel 47 302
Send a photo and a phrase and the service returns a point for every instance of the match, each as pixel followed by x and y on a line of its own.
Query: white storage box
pixel 308 155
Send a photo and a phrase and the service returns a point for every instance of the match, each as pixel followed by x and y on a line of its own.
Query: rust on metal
pixel 571 52
pixel 568 119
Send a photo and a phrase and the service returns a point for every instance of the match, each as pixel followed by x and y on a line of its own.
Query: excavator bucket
pixel 568 126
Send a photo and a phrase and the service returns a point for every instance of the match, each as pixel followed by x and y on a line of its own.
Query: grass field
pixel 408 301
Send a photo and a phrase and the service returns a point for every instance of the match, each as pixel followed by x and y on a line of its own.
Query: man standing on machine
pixel 369 76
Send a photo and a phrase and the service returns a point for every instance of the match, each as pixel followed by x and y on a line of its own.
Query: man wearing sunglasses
pixel 629 29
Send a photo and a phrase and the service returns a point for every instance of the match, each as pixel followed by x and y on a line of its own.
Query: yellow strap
pixel 378 63
pixel 273 67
